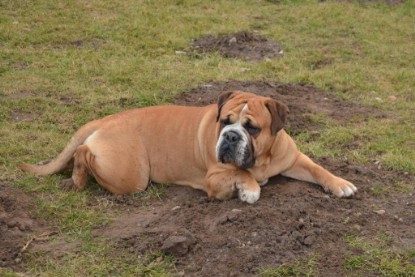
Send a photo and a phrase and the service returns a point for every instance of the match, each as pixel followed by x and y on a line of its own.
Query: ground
pixel 293 220
pixel 343 67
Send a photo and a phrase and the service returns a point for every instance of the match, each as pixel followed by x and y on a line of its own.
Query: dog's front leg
pixel 306 170
pixel 224 183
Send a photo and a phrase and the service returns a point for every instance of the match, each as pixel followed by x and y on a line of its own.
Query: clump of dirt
pixel 241 45
pixel 303 100
pixel 16 224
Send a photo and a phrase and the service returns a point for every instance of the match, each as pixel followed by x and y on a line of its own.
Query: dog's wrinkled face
pixel 247 125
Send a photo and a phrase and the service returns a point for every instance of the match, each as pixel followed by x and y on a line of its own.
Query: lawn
pixel 64 63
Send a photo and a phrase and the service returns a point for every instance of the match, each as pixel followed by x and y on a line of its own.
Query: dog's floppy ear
pixel 279 112
pixel 222 99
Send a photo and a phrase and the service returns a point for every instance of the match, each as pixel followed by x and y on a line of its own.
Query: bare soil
pixel 17 225
pixel 293 220
pixel 243 45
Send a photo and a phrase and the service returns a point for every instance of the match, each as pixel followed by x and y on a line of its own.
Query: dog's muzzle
pixel 235 147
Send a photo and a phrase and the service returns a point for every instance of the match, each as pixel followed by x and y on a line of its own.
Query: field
pixel 346 69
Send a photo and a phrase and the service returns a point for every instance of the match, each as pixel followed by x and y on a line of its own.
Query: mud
pixel 16 224
pixel 242 45
pixel 293 220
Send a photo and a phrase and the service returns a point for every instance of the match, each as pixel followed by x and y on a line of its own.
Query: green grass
pixel 377 258
pixel 64 63
pixel 307 267
pixel 96 258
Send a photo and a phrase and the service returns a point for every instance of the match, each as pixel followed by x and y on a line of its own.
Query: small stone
pixel 12 223
pixel 222 220
pixel 378 99
pixel 232 41
pixel 232 217
pixel 178 245
pixel 236 210
pixel 309 240
pixel 176 208
pixel 357 227
pixel 180 53
pixel 392 97
pixel 254 234
pixel 296 235
pixel 17 260
pixel 380 212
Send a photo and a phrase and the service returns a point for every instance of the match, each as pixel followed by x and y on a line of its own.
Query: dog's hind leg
pixel 80 169
pixel 121 167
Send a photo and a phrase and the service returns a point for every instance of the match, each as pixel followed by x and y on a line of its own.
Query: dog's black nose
pixel 232 137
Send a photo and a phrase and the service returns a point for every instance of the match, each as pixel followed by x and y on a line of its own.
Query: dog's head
pixel 247 126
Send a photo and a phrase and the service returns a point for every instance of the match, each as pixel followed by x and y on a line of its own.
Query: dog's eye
pixel 252 130
pixel 225 122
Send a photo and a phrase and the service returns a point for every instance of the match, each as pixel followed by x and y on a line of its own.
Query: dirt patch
pixel 93 43
pixel 305 101
pixel 19 115
pixel 241 45
pixel 292 220
pixel 16 224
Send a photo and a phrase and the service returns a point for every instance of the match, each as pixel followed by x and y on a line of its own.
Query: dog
pixel 226 149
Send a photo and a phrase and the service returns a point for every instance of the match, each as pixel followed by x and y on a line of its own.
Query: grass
pixel 307 267
pixel 64 63
pixel 377 258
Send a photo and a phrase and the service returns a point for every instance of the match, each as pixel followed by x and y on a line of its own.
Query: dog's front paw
pixel 342 188
pixel 249 196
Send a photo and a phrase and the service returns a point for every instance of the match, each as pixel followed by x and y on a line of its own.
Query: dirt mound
pixel 16 224
pixel 242 45
pixel 292 220
pixel 303 100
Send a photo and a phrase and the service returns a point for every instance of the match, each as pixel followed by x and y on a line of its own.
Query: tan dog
pixel 224 149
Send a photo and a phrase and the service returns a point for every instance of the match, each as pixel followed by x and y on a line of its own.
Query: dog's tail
pixel 61 161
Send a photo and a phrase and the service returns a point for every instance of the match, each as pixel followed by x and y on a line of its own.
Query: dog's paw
pixel 67 184
pixel 343 188
pixel 249 196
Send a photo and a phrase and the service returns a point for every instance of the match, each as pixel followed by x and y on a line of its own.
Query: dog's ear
pixel 279 113
pixel 222 99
